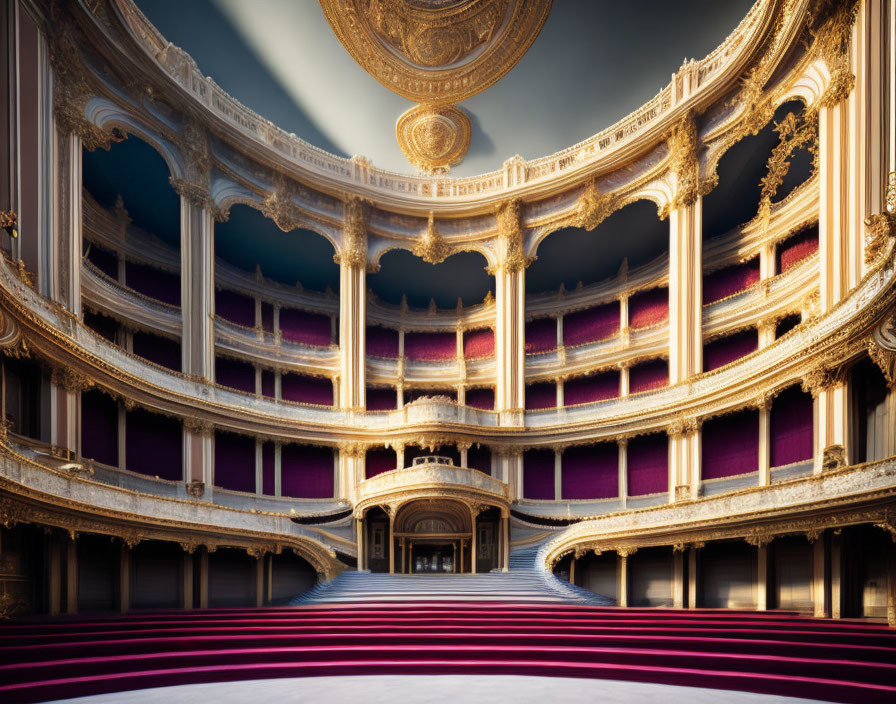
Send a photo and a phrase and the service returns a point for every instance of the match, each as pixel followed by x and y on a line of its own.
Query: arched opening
pixel 434 537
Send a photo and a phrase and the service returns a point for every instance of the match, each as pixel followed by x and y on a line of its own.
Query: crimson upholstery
pixel 234 462
pixel 154 445
pixel 542 394
pixel 538 474
pixel 235 307
pixel 156 283
pixel 730 280
pixel 268 480
pixel 647 308
pixel 590 472
pixel 648 464
pixel 299 388
pixel 379 460
pixel 591 324
pixel 483 398
pixel 791 427
pixel 157 349
pixel 795 248
pixel 306 472
pixel 645 376
pixel 99 427
pixel 588 389
pixel 430 346
pixel 381 399
pixel 480 457
pixel 775 653
pixel 235 374
pixel 541 335
pixel 479 344
pixel 381 342
pixel 727 349
pixel 730 445
pixel 307 328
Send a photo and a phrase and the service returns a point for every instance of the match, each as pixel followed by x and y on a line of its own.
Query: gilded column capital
pixel 431 246
pixel 511 257
pixel 832 40
pixel 759 539
pixel 818 379
pixel 683 145
pixel 198 193
pixel 594 207
pixel 355 219
pixel 198 426
pixel 69 379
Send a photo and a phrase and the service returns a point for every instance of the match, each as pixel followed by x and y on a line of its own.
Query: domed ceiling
pixel 591 64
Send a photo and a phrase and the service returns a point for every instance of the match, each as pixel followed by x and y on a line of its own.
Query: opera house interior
pixel 485 338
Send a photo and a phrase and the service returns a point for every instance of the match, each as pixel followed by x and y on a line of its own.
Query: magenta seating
pixel 730 280
pixel 648 465
pixel 542 394
pixel 235 307
pixel 381 399
pixel 648 375
pixel 730 445
pixel 795 248
pixel 479 344
pixel 589 389
pixel 430 346
pixel 483 398
pixel 306 472
pixel 538 474
pixel 590 472
pixel 156 283
pixel 591 324
pixel 307 328
pixel 299 388
pixel 727 349
pixel 774 653
pixel 648 308
pixel 791 425
pixel 381 342
pixel 541 335
pixel 379 460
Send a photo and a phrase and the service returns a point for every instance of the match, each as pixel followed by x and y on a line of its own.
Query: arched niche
pixel 428 517
pixel 736 198
pixel 573 254
pixel 249 241
pixel 462 275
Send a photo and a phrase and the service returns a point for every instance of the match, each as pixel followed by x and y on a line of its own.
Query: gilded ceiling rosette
pixel 436 53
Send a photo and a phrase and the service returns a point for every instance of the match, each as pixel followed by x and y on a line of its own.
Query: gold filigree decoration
pixel 832 41
pixel 70 379
pixel 281 208
pixel 594 207
pixel 833 457
pixel 433 138
pixel 510 238
pixel 885 359
pixel 431 247
pixel 683 145
pixel 793 133
pixel 355 217
pixel 879 229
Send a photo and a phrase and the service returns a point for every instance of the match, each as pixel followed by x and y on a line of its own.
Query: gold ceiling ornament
pixel 436 53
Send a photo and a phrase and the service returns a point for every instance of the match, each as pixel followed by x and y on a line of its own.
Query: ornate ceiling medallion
pixel 433 138
pixel 436 52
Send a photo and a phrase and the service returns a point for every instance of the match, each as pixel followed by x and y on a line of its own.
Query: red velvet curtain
pixel 541 335
pixel 381 399
pixel 156 283
pixel 157 349
pixel 541 395
pixel 235 307
pixel 430 346
pixel 379 460
pixel 724 350
pixel 234 462
pixel 647 308
pixel 307 328
pixel 791 427
pixel 538 474
pixel 730 280
pixel 648 375
pixel 590 472
pixel 306 389
pixel 591 324
pixel 588 389
pixel 306 471
pixel 479 344
pixel 794 249
pixel 381 342
pixel 483 398
pixel 730 445
pixel 648 464
pixel 235 374
pixel 154 445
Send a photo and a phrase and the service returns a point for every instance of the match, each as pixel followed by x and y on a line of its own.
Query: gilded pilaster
pixel 352 262
pixel 510 295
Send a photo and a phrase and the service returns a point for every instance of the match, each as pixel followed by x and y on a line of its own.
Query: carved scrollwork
pixel 594 207
pixel 280 207
pixel 198 426
pixel 355 216
pixel 12 343
pixel 685 167
pixel 817 380
pixel 833 457
pixel 511 257
pixel 832 41
pixel 431 246
pixel 70 379
pixel 884 356
pixel 759 539
pixel 880 228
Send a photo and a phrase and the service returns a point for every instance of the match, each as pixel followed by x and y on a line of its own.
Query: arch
pixel 433 516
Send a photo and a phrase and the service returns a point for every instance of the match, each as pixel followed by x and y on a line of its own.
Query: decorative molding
pixel 431 247
pixel 432 137
pixel 355 216
pixel 510 238
pixel 593 207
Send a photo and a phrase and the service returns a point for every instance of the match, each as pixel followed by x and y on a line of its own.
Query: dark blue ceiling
pixel 461 276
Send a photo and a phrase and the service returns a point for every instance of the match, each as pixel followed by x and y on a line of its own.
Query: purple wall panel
pixel 480 458
pixel 538 474
pixel 235 374
pixel 590 472
pixel 591 325
pixel 730 280
pixel 267 317
pixel 720 352
pixel 588 389
pixel 154 445
pixel 648 465
pixel 379 460
pixel 162 285
pixel 306 389
pixel 381 342
pixel 381 399
pixel 541 335
pixel 483 398
pixel 99 428
pixel 430 345
pixel 730 445
pixel 307 328
pixel 791 427
pixel 541 395
pixel 234 462
pixel 306 471
pixel 794 249
pixel 479 344
pixel 158 349
pixel 648 308
pixel 104 260
pixel 268 485
pixel 267 383
pixel 235 307
pixel 648 375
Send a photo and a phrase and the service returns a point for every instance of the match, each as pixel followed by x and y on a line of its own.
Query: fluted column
pixel 510 299
pixel 684 460
pixel 352 305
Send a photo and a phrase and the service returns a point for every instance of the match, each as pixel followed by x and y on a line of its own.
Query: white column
pixel 623 472
pixel 560 393
pixel 684 462
pixel 122 437
pixel 352 307
pixel 765 451
pixel 622 578
pixel 679 589
pixel 509 341
pixel 278 469
pixel 685 292
pixel 624 377
pixel 558 475
pixel 259 467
